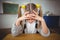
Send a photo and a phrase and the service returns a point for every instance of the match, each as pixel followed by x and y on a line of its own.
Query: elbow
pixel 13 33
pixel 45 31
pixel 45 34
pixel 16 33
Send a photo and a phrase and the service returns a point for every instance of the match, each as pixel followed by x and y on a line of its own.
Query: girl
pixel 34 23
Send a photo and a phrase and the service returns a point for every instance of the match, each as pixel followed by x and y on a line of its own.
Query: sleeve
pixel 42 33
pixel 16 30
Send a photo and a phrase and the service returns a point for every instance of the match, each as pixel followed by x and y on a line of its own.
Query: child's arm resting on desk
pixel 42 33
pixel 16 30
pixel 43 30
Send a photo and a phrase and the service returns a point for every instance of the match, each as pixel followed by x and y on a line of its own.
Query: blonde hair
pixel 27 8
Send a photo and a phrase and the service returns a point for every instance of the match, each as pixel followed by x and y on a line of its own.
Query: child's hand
pixel 36 17
pixel 25 16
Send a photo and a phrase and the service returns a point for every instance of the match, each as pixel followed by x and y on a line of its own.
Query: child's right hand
pixel 25 16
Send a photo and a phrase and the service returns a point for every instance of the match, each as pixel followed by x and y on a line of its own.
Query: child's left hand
pixel 36 16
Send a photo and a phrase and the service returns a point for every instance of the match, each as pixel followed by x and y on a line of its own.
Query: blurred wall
pixel 6 20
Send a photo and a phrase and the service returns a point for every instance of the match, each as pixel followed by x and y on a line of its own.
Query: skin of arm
pixel 17 28
pixel 25 16
pixel 43 24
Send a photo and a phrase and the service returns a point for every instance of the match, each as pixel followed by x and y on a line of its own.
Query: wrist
pixel 19 19
pixel 41 19
pixel 17 23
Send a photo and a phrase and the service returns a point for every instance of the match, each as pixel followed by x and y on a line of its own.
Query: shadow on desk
pixel 53 36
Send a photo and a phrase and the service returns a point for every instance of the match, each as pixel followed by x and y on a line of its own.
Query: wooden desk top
pixel 53 36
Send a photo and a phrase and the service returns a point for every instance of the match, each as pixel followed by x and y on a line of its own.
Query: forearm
pixel 16 30
pixel 44 26
pixel 18 21
pixel 43 30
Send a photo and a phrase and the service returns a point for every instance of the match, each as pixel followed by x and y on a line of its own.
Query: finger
pixel 32 15
pixel 32 18
pixel 26 13
pixel 27 18
pixel 35 12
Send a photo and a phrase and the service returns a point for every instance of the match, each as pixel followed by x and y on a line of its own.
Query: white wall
pixel 47 5
pixel 6 21
pixel 1 9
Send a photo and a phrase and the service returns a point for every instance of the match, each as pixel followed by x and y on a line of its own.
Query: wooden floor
pixel 53 36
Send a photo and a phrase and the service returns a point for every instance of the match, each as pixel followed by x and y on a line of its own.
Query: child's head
pixel 30 7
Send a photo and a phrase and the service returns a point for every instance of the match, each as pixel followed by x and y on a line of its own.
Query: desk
pixel 53 36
